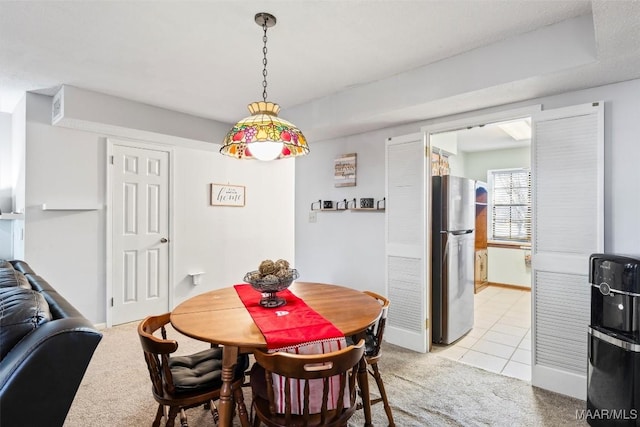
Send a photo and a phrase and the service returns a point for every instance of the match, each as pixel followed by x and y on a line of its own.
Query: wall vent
pixel 57 106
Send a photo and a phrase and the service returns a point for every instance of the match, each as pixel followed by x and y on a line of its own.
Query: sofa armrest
pixel 21 266
pixel 40 376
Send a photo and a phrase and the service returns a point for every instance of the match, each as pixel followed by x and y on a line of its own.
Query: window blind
pixel 511 204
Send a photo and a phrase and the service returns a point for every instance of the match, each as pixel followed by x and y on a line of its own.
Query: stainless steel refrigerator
pixel 453 246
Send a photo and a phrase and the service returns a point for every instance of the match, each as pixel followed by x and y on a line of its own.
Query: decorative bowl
pixel 270 286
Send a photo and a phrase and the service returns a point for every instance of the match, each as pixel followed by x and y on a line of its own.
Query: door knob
pixel 163 240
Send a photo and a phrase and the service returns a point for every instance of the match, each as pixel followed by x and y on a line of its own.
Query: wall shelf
pixel 319 206
pixel 70 207
pixel 11 216
pixel 347 205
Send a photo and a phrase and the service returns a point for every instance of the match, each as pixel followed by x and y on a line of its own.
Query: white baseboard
pixel 558 381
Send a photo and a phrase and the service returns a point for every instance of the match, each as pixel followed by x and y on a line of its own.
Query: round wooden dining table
pixel 220 317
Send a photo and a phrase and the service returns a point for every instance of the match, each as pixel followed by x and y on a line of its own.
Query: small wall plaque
pixel 345 170
pixel 227 195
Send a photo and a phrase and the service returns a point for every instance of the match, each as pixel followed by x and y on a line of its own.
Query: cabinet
pixel 481 274
pixel 481 258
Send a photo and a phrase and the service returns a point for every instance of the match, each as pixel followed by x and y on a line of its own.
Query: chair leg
pixel 383 394
pixel 159 413
pixel 242 408
pixel 183 419
pixel 171 418
pixel 214 411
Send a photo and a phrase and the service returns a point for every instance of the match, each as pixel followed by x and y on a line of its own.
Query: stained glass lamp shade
pixel 264 136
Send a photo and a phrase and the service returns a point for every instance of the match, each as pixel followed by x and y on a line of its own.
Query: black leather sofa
pixel 45 348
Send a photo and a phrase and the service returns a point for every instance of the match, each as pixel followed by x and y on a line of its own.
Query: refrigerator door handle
pixel 460 232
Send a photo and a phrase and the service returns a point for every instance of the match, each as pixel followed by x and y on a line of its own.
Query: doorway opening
pixel 497 156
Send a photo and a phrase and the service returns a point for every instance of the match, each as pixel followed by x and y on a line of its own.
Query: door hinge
pixel 427 323
pixel 111 159
pixel 111 301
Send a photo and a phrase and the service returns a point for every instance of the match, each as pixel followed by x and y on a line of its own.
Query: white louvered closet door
pixel 406 253
pixel 568 224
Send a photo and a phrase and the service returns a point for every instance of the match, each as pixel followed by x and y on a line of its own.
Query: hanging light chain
pixel 264 60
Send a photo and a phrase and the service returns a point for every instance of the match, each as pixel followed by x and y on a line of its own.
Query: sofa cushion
pixel 10 278
pixel 21 311
pixel 4 263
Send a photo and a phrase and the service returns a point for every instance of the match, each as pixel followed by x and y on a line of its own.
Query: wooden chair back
pixel 342 364
pixel 156 352
pixel 374 340
pixel 171 398
pixel 377 331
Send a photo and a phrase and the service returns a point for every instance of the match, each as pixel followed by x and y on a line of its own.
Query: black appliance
pixel 613 376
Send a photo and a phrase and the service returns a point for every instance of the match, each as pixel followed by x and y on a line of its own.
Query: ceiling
pixel 486 137
pixel 335 67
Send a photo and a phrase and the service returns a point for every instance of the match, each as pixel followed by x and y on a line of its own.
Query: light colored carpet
pixel 424 390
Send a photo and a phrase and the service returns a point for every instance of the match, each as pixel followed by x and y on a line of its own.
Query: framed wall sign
pixel 227 195
pixel 345 170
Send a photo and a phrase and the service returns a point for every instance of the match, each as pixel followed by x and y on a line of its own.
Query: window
pixel 510 204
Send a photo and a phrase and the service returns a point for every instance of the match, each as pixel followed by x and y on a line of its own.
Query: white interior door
pixel 407 280
pixel 139 232
pixel 568 224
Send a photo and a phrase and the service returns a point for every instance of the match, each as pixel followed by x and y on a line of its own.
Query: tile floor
pixel 500 340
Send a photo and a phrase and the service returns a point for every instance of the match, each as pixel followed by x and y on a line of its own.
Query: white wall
pixel 349 249
pixel 6 187
pixel 18 161
pixel 622 153
pixel 225 242
pixel 458 164
pixel 342 247
pixel 506 266
pixel 12 134
pixel 118 116
pixel 479 162
pixel 67 248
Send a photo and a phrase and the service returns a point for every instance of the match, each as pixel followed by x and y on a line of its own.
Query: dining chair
pixel 373 340
pixel 182 382
pixel 334 374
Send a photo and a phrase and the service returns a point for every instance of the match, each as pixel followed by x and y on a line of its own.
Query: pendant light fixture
pixel 263 135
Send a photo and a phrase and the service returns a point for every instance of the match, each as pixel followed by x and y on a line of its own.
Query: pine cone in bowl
pixel 267 267
pixel 271 282
pixel 271 276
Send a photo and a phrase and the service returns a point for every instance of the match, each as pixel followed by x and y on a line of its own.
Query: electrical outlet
pixel 313 216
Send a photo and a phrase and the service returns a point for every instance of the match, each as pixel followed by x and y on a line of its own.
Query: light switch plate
pixel 313 216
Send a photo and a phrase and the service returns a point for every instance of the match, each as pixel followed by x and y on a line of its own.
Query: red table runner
pixel 289 325
pixel 295 328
